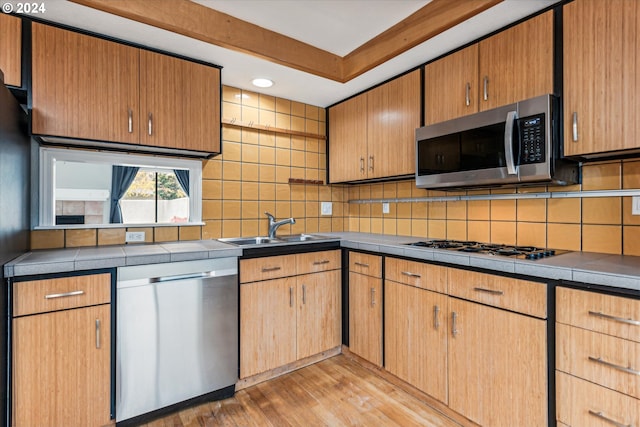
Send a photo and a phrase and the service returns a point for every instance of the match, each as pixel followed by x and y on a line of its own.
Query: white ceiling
pixel 338 26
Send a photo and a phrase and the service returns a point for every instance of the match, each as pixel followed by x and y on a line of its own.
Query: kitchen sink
pixel 261 240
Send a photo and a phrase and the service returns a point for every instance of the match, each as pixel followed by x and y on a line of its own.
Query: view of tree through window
pixel 155 197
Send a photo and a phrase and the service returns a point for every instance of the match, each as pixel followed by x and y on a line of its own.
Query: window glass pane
pixel 173 203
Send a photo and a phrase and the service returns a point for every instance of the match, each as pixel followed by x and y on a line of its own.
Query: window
pixel 80 188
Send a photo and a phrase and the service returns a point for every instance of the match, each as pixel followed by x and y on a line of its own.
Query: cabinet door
pixel 497 366
pixel 348 140
pixel 83 87
pixel 416 337
pixel 62 369
pixel 517 63
pixel 365 317
pixel 318 322
pixel 267 325
pixel 601 76
pixel 392 118
pixel 179 103
pixel 11 49
pixel 451 86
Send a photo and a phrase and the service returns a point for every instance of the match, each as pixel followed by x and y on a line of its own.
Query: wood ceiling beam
pixel 429 21
pixel 202 23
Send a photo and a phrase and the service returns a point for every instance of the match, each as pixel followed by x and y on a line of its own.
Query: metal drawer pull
pixel 373 297
pixel 628 370
pixel 130 121
pixel 489 291
pixel 608 420
pixel 436 322
pixel 97 333
pixel 66 294
pixel 454 328
pixel 324 261
pixel 617 319
pixel 304 294
pixel 359 264
pixel 268 269
pixel 410 274
pixel 290 297
pixel 574 127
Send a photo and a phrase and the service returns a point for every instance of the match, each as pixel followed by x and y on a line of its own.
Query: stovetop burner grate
pixel 522 252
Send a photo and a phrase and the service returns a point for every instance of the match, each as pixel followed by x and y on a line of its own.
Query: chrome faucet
pixel 274 225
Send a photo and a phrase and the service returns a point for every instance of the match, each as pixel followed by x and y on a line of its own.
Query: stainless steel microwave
pixel 512 145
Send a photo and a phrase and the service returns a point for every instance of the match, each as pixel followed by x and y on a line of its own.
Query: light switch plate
pixel 326 208
pixel 635 205
pixel 385 208
pixel 134 236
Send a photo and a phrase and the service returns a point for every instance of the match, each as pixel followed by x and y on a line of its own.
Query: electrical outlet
pixel 326 208
pixel 134 236
pixel 385 208
pixel 635 205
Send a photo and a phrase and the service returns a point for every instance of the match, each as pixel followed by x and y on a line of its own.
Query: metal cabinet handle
pixel 98 333
pixel 454 326
pixel 489 291
pixel 467 92
pixel 371 163
pixel 304 294
pixel 130 121
pixel 359 264
pixel 485 84
pixel 373 297
pixel 150 124
pixel 436 312
pixel 574 126
pixel 615 318
pixel 324 261
pixel 410 274
pixel 607 419
pixel 628 370
pixel 268 269
pixel 290 297
pixel 65 294
pixel 361 164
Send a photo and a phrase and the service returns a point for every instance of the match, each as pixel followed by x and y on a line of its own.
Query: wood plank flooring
pixel 335 392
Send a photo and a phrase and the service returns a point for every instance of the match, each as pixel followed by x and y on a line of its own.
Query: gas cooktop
pixel 521 252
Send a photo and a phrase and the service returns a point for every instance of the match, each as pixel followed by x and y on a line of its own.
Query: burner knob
pixel 530 256
pixel 552 252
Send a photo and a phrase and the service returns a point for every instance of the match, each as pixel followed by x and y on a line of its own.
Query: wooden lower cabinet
pixel 267 325
pixel 497 366
pixel 416 337
pixel 365 317
pixel 61 368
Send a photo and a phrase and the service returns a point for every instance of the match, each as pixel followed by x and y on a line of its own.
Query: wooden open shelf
pixel 251 125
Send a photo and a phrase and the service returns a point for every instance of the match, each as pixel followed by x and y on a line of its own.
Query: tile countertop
pixel 617 271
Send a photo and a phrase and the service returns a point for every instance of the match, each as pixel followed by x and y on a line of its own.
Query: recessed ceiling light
pixel 262 82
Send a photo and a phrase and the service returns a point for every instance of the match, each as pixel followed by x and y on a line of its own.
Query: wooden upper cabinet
pixel 348 140
pixel 179 103
pixel 373 134
pixel 83 87
pixel 11 49
pixel 513 65
pixel 393 116
pixel 451 86
pixel 517 63
pixel 601 76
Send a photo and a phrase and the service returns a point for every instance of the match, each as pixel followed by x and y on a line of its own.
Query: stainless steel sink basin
pixel 301 237
pixel 244 241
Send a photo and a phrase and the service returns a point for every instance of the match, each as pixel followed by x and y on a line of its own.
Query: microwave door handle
pixel 508 143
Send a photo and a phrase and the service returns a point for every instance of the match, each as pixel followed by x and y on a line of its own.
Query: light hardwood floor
pixel 334 392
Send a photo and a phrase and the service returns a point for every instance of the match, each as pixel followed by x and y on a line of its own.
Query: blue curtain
pixel 183 179
pixel 121 179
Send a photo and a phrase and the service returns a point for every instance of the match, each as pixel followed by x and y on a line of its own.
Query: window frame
pixel 50 155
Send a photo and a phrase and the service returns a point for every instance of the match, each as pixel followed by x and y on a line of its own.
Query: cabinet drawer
pixel 417 274
pixel 318 261
pixel 253 270
pixel 602 359
pixel 39 296
pixel 611 315
pixel 579 402
pixel 518 295
pixel 371 265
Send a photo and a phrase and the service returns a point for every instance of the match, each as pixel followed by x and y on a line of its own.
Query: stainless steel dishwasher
pixel 177 333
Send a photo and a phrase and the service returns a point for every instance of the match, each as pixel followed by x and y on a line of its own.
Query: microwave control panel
pixel 532 139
